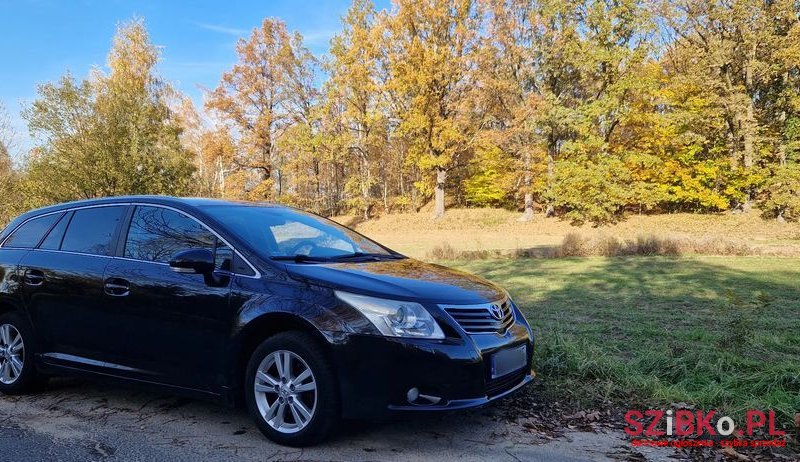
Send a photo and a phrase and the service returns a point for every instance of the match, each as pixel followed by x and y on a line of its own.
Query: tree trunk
pixel 750 117
pixel 365 189
pixel 749 125
pixel 221 176
pixel 734 118
pixel 385 196
pixel 782 141
pixel 441 176
pixel 527 215
pixel 552 146
pixel 749 131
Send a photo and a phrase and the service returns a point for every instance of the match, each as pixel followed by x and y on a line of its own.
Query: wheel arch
pixel 8 305
pixel 261 328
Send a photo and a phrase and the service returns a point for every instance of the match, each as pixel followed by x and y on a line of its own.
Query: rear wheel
pixel 17 371
pixel 291 390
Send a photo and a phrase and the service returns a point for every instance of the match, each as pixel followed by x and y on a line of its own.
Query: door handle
pixel 117 287
pixel 33 277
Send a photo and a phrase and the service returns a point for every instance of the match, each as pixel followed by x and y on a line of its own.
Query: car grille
pixel 501 385
pixel 478 319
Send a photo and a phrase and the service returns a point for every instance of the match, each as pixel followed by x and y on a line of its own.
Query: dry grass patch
pixel 488 233
pixel 578 245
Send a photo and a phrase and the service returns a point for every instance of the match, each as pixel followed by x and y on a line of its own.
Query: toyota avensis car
pixel 305 320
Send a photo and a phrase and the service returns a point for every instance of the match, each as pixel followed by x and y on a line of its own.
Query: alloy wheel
pixel 285 391
pixel 12 354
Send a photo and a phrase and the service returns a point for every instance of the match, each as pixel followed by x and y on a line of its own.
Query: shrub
pixel 782 194
pixel 573 245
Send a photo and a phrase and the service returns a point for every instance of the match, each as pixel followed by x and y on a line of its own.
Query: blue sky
pixel 42 39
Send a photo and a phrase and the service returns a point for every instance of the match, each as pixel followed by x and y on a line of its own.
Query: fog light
pixel 412 395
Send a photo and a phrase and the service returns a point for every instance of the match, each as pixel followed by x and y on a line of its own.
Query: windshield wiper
pixel 356 255
pixel 299 258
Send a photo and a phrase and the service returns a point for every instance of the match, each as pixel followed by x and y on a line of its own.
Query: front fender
pixel 263 308
pixel 314 305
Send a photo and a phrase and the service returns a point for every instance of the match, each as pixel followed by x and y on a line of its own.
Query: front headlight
pixel 395 318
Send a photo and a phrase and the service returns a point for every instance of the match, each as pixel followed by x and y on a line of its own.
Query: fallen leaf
pixel 731 453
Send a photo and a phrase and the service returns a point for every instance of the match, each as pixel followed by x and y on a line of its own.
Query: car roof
pixel 153 199
pixel 182 203
pixel 193 205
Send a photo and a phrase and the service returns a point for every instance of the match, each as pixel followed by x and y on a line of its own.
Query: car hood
pixel 405 279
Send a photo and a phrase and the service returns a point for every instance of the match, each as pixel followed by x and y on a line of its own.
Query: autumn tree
pixel 258 99
pixel 747 52
pixel 354 83
pixel 591 108
pixel 507 99
pixel 7 136
pixel 214 162
pixel 302 144
pixel 429 49
pixel 108 135
pixel 9 205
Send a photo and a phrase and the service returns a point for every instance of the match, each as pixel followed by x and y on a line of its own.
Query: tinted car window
pixel 157 234
pixel 54 237
pixel 223 257
pixel 30 233
pixel 92 230
pixel 226 259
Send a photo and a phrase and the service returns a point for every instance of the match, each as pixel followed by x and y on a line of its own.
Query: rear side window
pixel 31 232
pixel 157 234
pixel 92 230
pixel 53 239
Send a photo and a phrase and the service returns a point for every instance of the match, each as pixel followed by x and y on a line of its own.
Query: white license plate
pixel 508 361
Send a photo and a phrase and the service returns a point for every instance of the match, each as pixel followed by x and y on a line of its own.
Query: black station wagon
pixel 303 319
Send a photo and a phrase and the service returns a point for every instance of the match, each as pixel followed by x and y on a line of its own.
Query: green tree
pixel 782 193
pixel 745 52
pixel 109 135
pixel 9 178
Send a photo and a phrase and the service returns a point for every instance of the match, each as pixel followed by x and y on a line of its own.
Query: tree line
pixel 583 109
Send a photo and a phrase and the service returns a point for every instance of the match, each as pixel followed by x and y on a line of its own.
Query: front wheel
pixel 17 371
pixel 291 390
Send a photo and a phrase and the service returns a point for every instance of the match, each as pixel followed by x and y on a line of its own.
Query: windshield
pixel 287 233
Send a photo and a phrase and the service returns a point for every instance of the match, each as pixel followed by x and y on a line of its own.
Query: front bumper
pixel 375 373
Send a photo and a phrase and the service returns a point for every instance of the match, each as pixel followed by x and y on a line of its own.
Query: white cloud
pixel 235 31
pixel 318 37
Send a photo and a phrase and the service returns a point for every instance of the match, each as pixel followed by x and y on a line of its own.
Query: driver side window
pixel 157 234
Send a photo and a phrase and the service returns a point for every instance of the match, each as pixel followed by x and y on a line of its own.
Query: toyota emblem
pixel 496 311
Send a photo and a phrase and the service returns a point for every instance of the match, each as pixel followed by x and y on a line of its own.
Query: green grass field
pixel 715 332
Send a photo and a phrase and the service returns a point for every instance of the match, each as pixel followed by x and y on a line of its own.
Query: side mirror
pixel 198 261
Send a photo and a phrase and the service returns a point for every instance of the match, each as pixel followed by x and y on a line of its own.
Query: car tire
pixel 291 391
pixel 17 345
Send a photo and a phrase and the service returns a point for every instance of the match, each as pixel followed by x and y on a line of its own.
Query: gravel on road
pixel 77 420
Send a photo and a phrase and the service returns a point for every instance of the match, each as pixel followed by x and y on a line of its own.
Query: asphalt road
pixel 76 420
